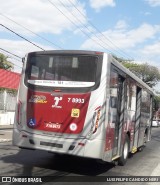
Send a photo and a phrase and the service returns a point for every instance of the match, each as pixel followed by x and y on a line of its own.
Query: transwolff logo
pixel 57 100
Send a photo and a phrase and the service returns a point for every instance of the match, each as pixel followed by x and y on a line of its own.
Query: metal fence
pixel 7 101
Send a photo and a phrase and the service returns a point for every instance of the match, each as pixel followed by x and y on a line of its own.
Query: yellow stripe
pixel 115 157
pixel 134 150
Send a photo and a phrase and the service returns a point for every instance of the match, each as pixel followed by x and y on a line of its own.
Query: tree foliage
pixel 12 91
pixel 147 73
pixel 157 101
pixel 4 63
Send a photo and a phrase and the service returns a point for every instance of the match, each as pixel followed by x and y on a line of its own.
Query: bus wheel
pixel 123 159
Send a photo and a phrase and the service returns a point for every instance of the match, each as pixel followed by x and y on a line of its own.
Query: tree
pixel 147 73
pixel 4 63
pixel 157 102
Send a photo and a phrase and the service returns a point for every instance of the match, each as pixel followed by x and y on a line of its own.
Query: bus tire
pixel 125 152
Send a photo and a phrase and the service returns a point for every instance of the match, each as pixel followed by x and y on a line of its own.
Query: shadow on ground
pixel 42 163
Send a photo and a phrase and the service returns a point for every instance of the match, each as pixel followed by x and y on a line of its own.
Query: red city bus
pixel 81 103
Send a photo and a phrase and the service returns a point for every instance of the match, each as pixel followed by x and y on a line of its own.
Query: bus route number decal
pixel 76 100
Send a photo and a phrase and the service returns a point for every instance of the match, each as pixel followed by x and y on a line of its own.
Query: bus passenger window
pixel 113 102
pixel 34 72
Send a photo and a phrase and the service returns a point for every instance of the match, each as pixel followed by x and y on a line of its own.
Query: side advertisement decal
pixel 38 99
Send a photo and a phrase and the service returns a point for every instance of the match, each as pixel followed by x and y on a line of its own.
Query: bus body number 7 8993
pixel 76 100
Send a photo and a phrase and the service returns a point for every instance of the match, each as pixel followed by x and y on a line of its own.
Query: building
pixel 9 82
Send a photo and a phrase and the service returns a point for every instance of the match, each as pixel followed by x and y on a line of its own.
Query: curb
pixel 6 126
pixel 5 140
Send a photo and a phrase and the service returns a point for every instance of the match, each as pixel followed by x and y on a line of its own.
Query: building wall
pixel 8 80
pixel 7 118
pixel 7 107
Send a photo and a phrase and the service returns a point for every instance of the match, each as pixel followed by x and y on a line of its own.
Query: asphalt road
pixel 18 162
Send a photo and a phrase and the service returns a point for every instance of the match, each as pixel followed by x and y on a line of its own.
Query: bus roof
pixel 68 52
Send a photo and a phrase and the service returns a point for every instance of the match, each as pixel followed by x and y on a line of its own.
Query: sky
pixel 127 29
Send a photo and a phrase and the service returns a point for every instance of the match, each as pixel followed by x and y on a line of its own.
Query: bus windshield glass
pixel 62 71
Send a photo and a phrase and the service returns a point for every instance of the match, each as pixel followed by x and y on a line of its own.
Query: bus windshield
pixel 62 71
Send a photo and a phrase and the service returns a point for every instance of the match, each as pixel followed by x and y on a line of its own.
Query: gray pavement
pixel 5 133
pixel 6 127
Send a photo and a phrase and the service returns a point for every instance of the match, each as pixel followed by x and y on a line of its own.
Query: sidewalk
pixel 6 133
pixel 6 127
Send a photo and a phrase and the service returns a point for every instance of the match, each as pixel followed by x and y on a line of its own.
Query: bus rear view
pixel 82 103
pixel 57 109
